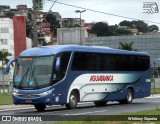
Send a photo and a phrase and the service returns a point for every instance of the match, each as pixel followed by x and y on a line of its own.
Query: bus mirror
pixel 58 61
pixel 9 64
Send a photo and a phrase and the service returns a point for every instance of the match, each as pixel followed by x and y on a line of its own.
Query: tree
pixel 140 25
pixel 9 14
pixel 153 28
pixel 123 32
pixel 54 24
pixel 100 28
pixel 126 46
pixel 29 29
pixel 3 56
pixel 125 23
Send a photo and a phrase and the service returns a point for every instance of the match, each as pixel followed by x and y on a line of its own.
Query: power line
pixel 50 9
pixel 120 16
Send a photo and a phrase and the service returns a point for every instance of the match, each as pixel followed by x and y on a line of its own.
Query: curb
pixel 15 107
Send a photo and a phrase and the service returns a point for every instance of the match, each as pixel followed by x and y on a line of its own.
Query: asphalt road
pixel 86 110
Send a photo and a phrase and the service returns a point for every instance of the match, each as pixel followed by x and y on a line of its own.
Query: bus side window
pixel 107 62
pixel 62 62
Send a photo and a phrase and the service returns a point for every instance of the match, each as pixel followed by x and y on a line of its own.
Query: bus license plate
pixel 28 101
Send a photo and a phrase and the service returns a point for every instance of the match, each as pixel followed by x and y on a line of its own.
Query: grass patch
pixel 91 122
pixel 155 91
pixel 6 99
pixel 154 112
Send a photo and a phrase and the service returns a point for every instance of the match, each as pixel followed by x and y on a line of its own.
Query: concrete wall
pixel 144 43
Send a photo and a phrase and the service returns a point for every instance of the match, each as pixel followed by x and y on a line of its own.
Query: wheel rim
pixel 73 100
pixel 129 96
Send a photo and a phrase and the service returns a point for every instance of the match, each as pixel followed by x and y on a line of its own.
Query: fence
pixel 5 83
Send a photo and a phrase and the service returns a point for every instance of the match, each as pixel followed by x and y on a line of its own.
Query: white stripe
pixel 87 112
pixel 16 109
pixel 20 108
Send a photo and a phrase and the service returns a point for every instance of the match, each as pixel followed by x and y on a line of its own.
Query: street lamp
pixel 78 11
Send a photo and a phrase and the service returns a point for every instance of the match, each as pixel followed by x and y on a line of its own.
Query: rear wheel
pixel 73 100
pixel 100 103
pixel 129 97
pixel 40 107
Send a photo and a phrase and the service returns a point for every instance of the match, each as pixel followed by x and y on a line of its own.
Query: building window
pixel 4 30
pixel 5 50
pixel 3 41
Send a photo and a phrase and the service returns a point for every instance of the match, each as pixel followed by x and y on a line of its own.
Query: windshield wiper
pixel 35 78
pixel 21 83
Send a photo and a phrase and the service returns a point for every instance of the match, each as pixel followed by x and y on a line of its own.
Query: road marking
pixel 22 108
pixel 15 109
pixel 87 112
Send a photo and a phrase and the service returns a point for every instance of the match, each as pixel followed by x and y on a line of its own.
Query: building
pixel 7 35
pixel 72 35
pixel 12 35
pixel 145 43
pixel 72 22
pixel 3 9
pixel 134 31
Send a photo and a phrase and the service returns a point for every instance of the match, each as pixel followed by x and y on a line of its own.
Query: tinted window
pixel 64 60
pixel 109 62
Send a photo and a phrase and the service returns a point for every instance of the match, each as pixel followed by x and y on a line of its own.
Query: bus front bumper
pixel 47 99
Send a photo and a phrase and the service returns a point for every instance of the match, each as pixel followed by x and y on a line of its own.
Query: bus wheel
pixel 129 97
pixel 40 107
pixel 73 100
pixel 100 103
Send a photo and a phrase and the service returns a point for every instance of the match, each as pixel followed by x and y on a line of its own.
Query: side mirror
pixel 58 62
pixel 9 64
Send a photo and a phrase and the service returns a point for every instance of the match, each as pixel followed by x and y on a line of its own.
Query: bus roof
pixel 51 50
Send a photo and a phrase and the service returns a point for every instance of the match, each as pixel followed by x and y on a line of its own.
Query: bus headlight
pixel 46 93
pixel 15 92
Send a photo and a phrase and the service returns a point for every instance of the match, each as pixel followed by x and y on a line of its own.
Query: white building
pixel 72 35
pixel 7 37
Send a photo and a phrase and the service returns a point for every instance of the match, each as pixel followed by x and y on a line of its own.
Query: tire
pixel 40 107
pixel 128 99
pixel 73 100
pixel 100 103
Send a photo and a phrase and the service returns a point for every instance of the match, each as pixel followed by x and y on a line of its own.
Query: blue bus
pixel 68 74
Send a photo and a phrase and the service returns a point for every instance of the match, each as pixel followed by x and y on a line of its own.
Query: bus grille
pixel 28 95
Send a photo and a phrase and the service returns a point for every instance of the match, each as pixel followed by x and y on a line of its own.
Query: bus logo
pixel 101 78
pixel 150 7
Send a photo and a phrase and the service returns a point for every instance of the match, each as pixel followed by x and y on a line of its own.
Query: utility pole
pixel 34 23
pixel 3 71
pixel 78 11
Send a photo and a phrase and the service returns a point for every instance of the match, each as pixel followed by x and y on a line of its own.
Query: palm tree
pixel 126 46
pixel 3 58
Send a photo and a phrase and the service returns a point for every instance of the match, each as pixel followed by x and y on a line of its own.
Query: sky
pixel 113 11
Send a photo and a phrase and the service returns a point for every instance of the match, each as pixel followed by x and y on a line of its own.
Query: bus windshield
pixel 33 73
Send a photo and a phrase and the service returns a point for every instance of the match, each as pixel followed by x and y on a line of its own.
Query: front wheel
pixel 73 100
pixel 40 107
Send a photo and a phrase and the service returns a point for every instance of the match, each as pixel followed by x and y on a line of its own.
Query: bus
pixel 69 74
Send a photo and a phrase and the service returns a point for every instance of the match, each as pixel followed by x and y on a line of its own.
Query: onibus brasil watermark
pixel 150 7
pixel 21 118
